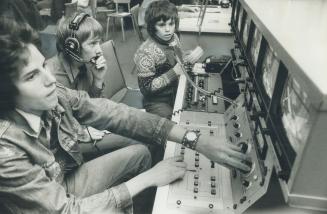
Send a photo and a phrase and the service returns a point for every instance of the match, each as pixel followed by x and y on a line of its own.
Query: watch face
pixel 191 136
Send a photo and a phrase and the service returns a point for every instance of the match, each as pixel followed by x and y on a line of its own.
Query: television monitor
pixel 246 30
pixel 255 46
pixel 239 21
pixel 270 65
pixel 295 114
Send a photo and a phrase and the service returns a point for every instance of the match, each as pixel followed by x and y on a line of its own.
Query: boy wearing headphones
pixel 80 65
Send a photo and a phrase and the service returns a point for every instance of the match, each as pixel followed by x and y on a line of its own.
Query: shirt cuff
pixel 162 130
pixel 122 196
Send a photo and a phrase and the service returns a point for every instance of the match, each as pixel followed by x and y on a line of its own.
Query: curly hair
pixel 14 38
pixel 160 10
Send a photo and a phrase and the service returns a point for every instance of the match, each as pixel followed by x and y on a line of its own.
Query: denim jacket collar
pixel 33 121
pixel 25 122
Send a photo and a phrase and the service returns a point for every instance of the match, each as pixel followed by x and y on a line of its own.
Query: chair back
pixel 135 14
pixel 128 2
pixel 114 78
pixel 70 8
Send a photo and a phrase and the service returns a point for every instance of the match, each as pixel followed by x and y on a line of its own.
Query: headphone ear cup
pixel 72 46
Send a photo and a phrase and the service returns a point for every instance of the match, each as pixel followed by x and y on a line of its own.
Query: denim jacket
pixel 28 169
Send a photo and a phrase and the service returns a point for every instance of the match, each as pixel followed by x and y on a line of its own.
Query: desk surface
pixel 215 20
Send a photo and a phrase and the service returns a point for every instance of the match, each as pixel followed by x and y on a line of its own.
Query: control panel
pixel 245 131
pixel 202 187
pixel 197 101
pixel 209 187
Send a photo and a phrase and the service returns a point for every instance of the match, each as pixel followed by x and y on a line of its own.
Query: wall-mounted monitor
pixel 246 30
pixel 237 13
pixel 255 46
pixel 295 113
pixel 240 17
pixel 269 69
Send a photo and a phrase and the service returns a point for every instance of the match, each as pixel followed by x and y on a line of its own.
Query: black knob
pixel 196 164
pixel 234 117
pixel 213 192
pixel 236 125
pixel 243 199
pixel 238 134
pixel 244 147
pixel 212 164
pixel 249 164
pixel 245 183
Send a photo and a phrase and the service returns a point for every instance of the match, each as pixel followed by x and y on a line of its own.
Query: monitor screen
pixel 239 21
pixel 295 113
pixel 246 30
pixel 255 47
pixel 270 65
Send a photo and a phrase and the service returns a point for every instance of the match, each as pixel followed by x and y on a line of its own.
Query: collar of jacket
pixel 21 121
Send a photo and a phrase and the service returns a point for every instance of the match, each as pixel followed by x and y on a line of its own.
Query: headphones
pixel 72 46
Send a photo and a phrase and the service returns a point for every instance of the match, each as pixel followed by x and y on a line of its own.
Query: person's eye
pixel 96 42
pixel 32 76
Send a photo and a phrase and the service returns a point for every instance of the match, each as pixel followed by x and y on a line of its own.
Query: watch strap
pixel 190 144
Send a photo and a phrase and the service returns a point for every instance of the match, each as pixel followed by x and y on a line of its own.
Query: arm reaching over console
pixel 214 149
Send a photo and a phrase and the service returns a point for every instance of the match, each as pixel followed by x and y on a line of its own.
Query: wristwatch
pixel 190 139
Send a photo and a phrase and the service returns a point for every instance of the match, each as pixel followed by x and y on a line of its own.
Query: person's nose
pixel 48 77
pixel 98 50
pixel 167 28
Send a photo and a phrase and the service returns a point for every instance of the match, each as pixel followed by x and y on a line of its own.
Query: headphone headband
pixel 77 20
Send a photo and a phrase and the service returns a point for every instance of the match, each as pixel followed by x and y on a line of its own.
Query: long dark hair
pixel 14 38
pixel 160 10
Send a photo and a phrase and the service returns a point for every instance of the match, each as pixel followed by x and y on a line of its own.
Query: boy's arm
pixel 121 119
pixel 104 114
